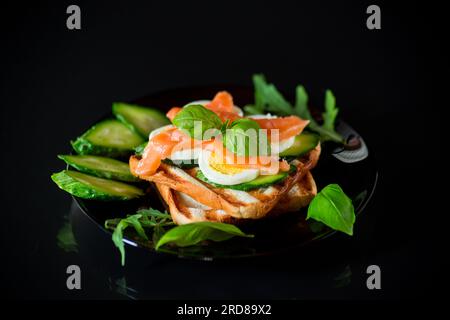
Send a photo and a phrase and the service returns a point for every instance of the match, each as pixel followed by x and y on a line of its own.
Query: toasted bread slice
pixel 185 209
pixel 191 200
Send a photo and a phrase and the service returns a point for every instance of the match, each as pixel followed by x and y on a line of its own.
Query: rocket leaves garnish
pixel 269 99
pixel 154 222
pixel 143 219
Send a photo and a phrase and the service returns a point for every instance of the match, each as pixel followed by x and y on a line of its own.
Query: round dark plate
pixel 354 170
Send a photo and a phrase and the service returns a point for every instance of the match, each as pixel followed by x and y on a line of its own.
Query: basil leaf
pixel 244 124
pixel 193 233
pixel 334 208
pixel 190 118
pixel 243 138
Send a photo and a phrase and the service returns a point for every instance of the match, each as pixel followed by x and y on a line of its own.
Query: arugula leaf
pixel 259 83
pixel 329 116
pixel 252 109
pixel 301 104
pixel 193 233
pixel 145 218
pixel 334 208
pixel 117 238
pixel 268 98
pixel 326 131
pixel 189 118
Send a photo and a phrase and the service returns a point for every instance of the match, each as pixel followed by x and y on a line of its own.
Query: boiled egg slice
pixel 226 174
pixel 282 145
pixel 182 156
pixel 262 116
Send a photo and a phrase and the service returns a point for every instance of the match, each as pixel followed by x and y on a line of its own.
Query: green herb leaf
pixel 225 126
pixel 192 115
pixel 243 138
pixel 117 238
pixel 334 208
pixel 144 218
pixel 269 99
pixel 259 82
pixel 329 116
pixel 251 109
pixel 301 104
pixel 193 233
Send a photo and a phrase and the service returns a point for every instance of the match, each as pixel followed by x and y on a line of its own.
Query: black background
pixel 56 82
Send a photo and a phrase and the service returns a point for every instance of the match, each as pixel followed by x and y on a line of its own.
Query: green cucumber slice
pixel 109 138
pixel 303 143
pixel 100 166
pixel 139 119
pixel 260 182
pixel 89 187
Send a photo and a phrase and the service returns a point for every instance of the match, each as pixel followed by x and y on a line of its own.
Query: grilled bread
pixel 191 200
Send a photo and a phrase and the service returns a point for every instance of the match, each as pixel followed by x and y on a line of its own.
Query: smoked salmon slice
pixel 288 126
pixel 223 101
pixel 159 148
pixel 173 112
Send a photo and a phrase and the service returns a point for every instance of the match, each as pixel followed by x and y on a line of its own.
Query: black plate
pixel 353 170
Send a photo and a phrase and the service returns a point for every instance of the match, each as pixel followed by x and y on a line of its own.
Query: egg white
pixel 282 145
pixel 222 178
pixel 185 154
pixel 262 116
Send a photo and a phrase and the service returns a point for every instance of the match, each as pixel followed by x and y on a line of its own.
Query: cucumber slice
pixel 260 182
pixel 139 119
pixel 109 138
pixel 89 187
pixel 303 143
pixel 100 166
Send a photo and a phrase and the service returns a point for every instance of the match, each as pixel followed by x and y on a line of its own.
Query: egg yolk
pixel 218 164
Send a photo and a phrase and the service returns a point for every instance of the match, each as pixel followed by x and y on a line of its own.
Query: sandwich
pixel 215 164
